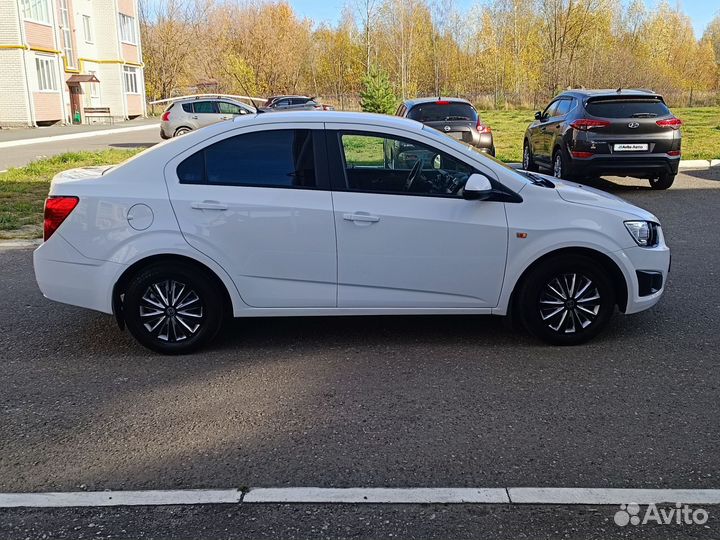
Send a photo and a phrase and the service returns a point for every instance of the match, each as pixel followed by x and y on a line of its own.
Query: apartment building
pixel 70 61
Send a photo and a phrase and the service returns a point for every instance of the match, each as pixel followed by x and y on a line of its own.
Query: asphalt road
pixel 374 401
pixel 17 156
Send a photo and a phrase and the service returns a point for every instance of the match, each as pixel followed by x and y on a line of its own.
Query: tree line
pixel 498 53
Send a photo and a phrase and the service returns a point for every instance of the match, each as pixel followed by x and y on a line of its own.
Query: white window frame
pixel 128 30
pixel 37 11
pixel 87 29
pixel 94 87
pixel 66 32
pixel 46 73
pixel 130 80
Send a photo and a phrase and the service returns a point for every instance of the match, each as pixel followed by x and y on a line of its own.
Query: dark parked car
pixel 589 133
pixel 294 103
pixel 455 117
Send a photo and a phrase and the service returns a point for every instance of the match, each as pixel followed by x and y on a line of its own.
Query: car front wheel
pixel 561 165
pixel 172 308
pixel 567 300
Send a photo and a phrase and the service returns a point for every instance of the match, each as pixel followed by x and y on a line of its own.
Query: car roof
pixel 209 98
pixel 419 101
pixel 340 117
pixel 607 92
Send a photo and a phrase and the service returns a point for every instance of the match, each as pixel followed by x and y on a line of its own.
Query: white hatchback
pixel 339 214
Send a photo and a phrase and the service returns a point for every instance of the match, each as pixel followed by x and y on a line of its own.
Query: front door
pixel 256 204
pixel 406 237
pixel 75 103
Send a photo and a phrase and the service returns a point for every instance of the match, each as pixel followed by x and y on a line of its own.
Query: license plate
pixel 631 147
pixel 456 134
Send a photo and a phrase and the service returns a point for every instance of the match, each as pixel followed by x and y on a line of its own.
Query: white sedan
pixel 339 214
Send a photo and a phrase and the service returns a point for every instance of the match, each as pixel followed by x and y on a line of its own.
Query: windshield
pixel 443 111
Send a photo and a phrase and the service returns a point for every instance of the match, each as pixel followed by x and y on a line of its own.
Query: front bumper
pixel 638 264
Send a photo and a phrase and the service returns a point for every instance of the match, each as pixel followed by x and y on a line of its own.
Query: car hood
pixel 579 194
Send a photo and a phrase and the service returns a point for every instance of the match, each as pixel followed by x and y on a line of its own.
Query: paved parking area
pixel 375 402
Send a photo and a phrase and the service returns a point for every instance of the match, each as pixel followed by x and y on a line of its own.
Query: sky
pixel 700 11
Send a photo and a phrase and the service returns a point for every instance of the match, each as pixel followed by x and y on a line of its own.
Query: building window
pixel 87 29
pixel 127 29
pixel 94 87
pixel 66 34
pixel 36 10
pixel 46 78
pixel 130 80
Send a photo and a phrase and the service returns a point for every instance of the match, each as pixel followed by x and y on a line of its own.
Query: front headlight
pixel 645 233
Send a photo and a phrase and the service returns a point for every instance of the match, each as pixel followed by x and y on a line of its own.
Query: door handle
pixel 208 205
pixel 194 117
pixel 366 218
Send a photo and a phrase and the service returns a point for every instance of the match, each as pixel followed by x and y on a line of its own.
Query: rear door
pixel 633 127
pixel 257 201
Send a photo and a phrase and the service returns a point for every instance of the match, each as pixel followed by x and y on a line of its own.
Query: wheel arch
pixel 134 268
pixel 614 271
pixel 181 127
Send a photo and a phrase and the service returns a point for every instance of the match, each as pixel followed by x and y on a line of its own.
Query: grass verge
pixel 23 189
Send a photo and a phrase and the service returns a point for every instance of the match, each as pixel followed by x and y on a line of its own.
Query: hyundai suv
pixel 589 133
pixel 455 117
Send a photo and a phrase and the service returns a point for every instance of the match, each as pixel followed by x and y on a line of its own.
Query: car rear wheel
pixel 528 162
pixel 664 181
pixel 172 308
pixel 567 300
pixel 182 131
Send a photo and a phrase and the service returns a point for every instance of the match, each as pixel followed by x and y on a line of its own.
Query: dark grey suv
pixel 589 133
pixel 455 117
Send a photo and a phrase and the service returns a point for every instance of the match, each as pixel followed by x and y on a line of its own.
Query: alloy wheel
pixel 171 311
pixel 557 166
pixel 569 303
pixel 526 157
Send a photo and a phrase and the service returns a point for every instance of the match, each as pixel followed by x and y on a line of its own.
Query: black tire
pixel 536 301
pixel 561 165
pixel 144 307
pixel 528 161
pixel 181 131
pixel 664 181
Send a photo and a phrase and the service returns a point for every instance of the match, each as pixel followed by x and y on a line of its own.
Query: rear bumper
pixel 64 275
pixel 642 166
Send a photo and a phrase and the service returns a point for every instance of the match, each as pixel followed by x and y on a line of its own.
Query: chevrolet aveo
pixel 339 214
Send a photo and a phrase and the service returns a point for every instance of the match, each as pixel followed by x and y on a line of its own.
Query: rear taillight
pixel 482 128
pixel 326 108
pixel 582 155
pixel 673 153
pixel 165 116
pixel 586 124
pixel 56 210
pixel 673 123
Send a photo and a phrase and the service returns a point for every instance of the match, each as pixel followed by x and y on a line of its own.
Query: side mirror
pixel 538 116
pixel 477 187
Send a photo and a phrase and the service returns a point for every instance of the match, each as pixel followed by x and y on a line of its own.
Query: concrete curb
pixel 72 136
pixel 20 244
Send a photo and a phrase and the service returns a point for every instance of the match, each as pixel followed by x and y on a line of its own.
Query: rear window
pixel 627 108
pixel 434 112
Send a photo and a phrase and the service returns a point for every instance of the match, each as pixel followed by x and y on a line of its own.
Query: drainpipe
pixel 140 58
pixel 60 64
pixel 28 93
pixel 116 14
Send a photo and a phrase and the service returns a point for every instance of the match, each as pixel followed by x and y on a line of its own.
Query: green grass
pixel 23 189
pixel 363 151
pixel 701 132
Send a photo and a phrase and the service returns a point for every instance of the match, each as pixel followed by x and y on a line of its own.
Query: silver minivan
pixel 189 114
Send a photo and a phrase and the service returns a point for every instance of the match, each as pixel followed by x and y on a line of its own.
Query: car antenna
pixel 258 110
pixel 619 90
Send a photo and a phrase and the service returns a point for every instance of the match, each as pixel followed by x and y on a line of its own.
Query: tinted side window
pixel 627 108
pixel 563 107
pixel 550 111
pixel 280 158
pixel 374 163
pixel 187 107
pixel 204 107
